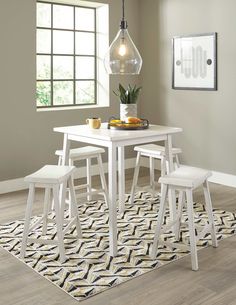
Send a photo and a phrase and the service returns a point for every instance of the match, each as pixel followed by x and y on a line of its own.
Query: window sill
pixel 71 108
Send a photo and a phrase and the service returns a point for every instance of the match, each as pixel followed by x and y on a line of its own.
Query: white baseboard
pixel 19 184
pixel 12 185
pixel 224 179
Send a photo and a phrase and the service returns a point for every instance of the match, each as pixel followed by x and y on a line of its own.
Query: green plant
pixel 43 94
pixel 129 95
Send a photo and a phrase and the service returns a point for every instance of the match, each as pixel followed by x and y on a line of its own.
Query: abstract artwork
pixel 194 62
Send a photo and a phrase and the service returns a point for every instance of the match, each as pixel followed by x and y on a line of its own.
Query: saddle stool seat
pixel 152 151
pixel 186 179
pixel 87 153
pixel 50 177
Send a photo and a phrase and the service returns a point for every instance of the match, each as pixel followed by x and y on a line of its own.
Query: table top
pixel 106 134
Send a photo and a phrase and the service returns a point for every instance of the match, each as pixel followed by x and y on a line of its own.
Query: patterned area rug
pixel 89 268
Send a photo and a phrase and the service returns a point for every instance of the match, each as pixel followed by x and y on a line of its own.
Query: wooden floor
pixel 173 284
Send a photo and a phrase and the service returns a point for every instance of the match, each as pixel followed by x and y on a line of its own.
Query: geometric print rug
pixel 89 268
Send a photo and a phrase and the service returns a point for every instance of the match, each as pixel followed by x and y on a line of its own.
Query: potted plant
pixel 128 101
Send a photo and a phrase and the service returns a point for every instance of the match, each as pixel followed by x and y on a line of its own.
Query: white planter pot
pixel 127 110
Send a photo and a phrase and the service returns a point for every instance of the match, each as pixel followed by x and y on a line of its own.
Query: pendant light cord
pixel 123 10
pixel 123 23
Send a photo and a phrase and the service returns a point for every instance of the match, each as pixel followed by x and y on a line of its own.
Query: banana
pixel 115 122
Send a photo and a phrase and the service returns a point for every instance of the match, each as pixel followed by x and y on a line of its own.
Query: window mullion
pixel 95 60
pixel 51 54
pixel 74 83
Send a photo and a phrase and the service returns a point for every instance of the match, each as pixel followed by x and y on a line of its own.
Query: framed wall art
pixel 195 62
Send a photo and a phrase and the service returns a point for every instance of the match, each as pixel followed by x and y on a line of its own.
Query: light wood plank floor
pixel 173 284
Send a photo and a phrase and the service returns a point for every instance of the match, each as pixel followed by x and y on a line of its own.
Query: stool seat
pixel 186 176
pixel 82 152
pixel 52 174
pixel 87 153
pixel 51 178
pixel 155 150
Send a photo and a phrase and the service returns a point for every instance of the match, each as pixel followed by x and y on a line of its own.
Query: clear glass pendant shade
pixel 123 56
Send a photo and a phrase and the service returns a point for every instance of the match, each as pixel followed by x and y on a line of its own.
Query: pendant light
pixel 123 56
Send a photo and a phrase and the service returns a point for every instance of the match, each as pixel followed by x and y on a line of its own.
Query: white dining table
pixel 115 141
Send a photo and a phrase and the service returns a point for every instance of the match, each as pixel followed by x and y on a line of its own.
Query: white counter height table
pixel 116 140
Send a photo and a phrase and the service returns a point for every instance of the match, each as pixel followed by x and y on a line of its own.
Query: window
pixel 66 55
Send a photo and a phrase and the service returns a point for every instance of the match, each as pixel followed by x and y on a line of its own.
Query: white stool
pixel 152 151
pixel 87 153
pixel 50 177
pixel 186 179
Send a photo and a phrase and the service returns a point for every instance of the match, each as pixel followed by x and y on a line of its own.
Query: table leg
pixel 168 152
pixel 112 198
pixel 65 161
pixel 66 150
pixel 171 192
pixel 121 178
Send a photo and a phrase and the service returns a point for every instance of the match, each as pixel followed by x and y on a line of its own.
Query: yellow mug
pixel 94 123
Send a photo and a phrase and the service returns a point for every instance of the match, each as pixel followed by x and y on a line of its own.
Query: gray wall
pixel 208 118
pixel 27 137
pixel 208 140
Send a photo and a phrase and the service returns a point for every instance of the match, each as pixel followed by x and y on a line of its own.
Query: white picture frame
pixel 194 65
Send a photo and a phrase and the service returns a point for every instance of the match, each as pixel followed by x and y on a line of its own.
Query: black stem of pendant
pixel 123 23
pixel 123 10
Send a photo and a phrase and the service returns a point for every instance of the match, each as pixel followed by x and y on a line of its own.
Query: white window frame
pixel 102 44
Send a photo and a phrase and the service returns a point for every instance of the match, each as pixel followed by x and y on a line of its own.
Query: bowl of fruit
pixel 130 123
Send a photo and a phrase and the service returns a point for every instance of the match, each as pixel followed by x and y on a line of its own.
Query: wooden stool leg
pixel 46 209
pixel 152 174
pixel 63 198
pixel 59 163
pixel 163 170
pixel 177 165
pixel 63 190
pixel 161 214
pixel 59 160
pixel 181 201
pixel 71 163
pixel 58 217
pixel 103 179
pixel 135 179
pixel 177 161
pixel 172 209
pixel 210 213
pixel 193 246
pixel 89 180
pixel 28 214
pixel 167 167
pixel 74 208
